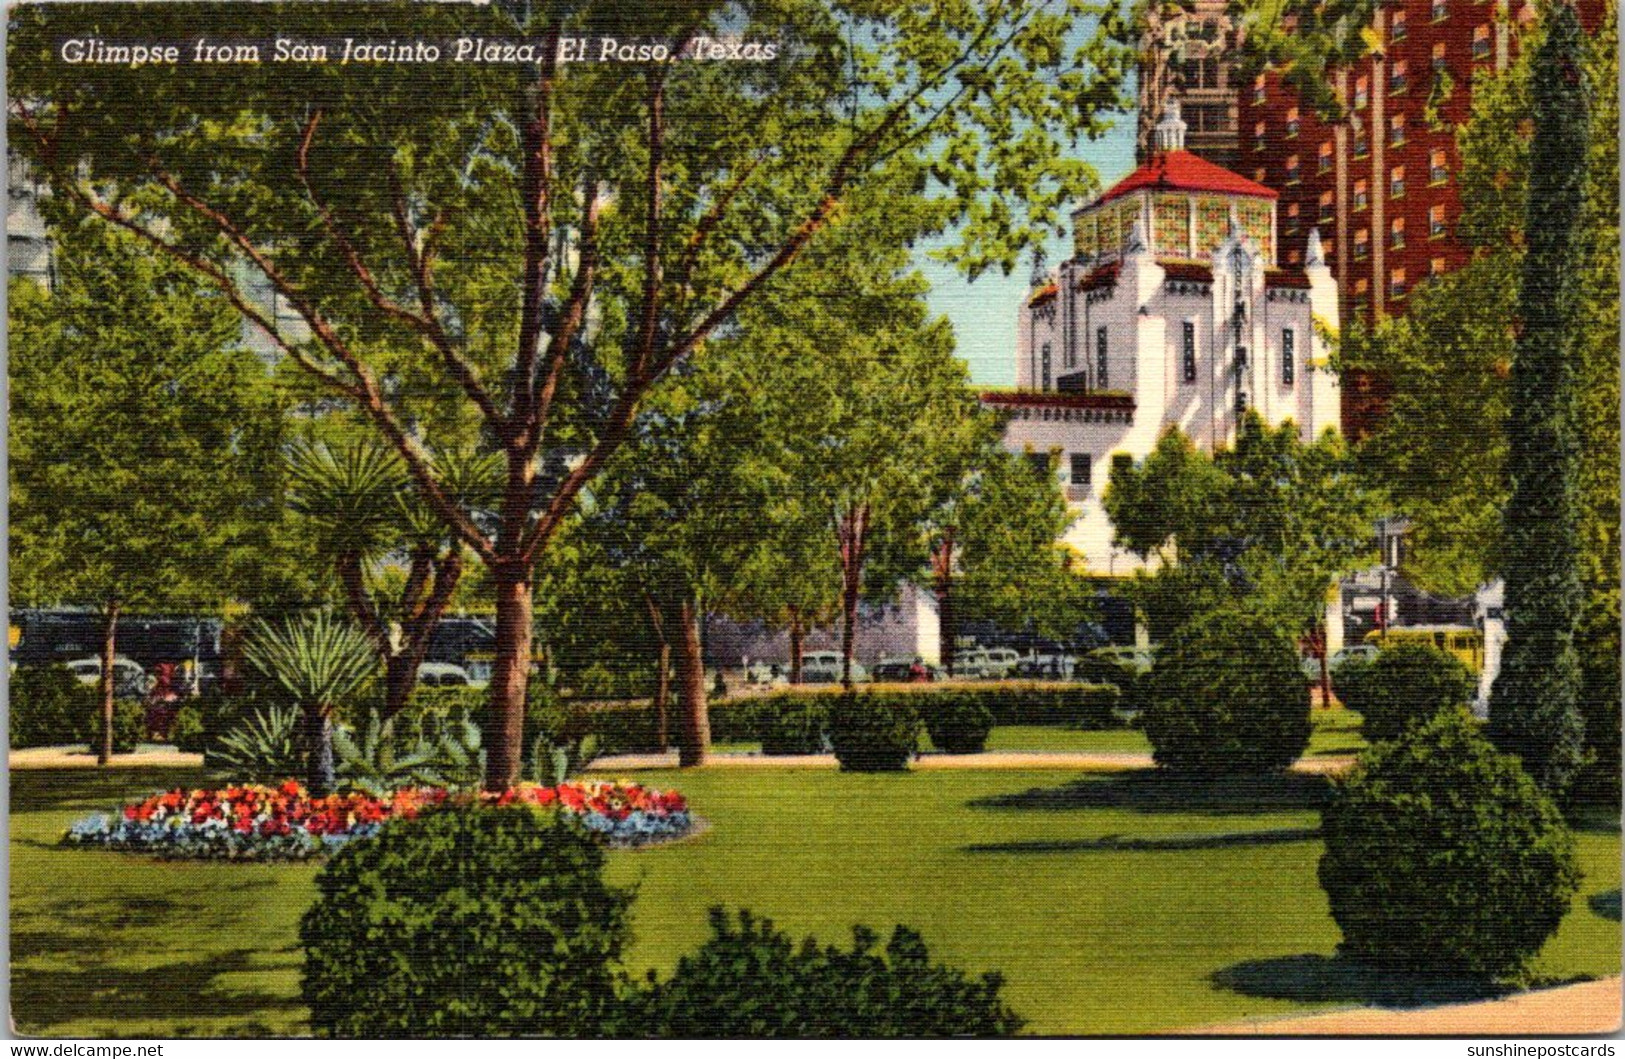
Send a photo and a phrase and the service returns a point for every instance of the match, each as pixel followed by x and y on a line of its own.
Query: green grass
pixel 1111 903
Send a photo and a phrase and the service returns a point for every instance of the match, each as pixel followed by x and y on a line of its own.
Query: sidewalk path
pixel 1071 762
pixel 1589 1007
pixel 74 757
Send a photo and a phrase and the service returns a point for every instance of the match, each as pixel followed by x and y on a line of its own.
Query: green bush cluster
pixel 1227 697
pixel 129 727
pixel 1031 702
pixel 1442 855
pixel 466 923
pixel 790 724
pixel 960 726
pixel 50 707
pixel 873 733
pixel 187 730
pixel 487 922
pixel 752 981
pixel 1407 683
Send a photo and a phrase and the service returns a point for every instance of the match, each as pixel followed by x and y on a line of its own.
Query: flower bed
pixel 254 822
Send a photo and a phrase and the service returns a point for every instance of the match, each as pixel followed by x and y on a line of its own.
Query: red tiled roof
pixel 1104 276
pixel 1183 171
pixel 1187 271
pixel 1280 277
pixel 1051 399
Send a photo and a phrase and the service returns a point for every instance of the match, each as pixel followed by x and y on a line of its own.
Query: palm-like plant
pixel 316 660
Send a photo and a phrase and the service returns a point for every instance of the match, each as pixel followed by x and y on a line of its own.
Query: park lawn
pixel 1120 903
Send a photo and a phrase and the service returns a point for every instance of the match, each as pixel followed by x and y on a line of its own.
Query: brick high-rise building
pixel 1379 183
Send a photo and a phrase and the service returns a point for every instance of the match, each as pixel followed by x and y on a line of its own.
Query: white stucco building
pixel 1173 311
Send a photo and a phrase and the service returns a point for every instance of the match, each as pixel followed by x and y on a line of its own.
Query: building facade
pixel 1173 312
pixel 1188 56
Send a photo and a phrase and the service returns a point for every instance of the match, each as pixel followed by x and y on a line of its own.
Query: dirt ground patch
pixel 72 757
pixel 1571 1010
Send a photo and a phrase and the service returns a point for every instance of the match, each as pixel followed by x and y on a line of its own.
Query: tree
pixel 1274 522
pixel 1534 710
pixel 504 232
pixel 142 441
pixel 997 553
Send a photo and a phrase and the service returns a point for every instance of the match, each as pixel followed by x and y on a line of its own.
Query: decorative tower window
pixel 1044 368
pixel 1188 355
pixel 1101 375
pixel 1288 356
pixel 1082 470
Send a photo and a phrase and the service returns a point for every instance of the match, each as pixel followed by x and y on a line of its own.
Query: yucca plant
pixel 381 757
pixel 317 661
pixel 260 748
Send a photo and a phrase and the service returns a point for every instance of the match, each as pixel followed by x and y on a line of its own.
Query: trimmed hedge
pixel 466 923
pixel 877 733
pixel 50 707
pixel 1227 697
pixel 754 982
pixel 1408 683
pixel 959 726
pixel 1443 856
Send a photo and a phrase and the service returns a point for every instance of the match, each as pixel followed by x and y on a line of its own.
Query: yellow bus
pixel 1463 641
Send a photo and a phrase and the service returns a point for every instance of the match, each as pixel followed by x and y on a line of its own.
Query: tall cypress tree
pixel 1534 708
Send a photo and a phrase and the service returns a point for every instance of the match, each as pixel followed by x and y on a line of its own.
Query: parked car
pixel 130 681
pixel 1137 659
pixel 824 667
pixel 443 675
pixel 903 671
pixel 1365 652
pixel 1001 663
pixel 1046 667
pixel 767 674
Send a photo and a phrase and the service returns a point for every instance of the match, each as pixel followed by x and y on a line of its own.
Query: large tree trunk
pixel 694 740
pixel 505 723
pixel 852 532
pixel 321 776
pixel 104 752
pixel 1325 671
pixel 798 632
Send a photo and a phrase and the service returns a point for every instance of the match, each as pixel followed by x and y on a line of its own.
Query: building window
pixel 1082 470
pixel 1325 156
pixel 1288 354
pixel 1100 358
pixel 1362 243
pixel 1396 283
pixel 1436 267
pixel 1188 352
pixel 1258 136
pixel 1438 166
pixel 1396 131
pixel 1396 28
pixel 1039 462
pixel 1397 80
pixel 1396 233
pixel 1439 61
pixel 1328 205
pixel 1292 170
pixel 1362 92
pixel 1481 41
pixel 1362 197
pixel 1258 89
pixel 1260 175
pixel 1292 219
pixel 1044 368
pixel 1436 226
pixel 1292 123
pixel 1361 147
pixel 1361 286
pixel 1441 10
pixel 1328 247
pixel 1396 181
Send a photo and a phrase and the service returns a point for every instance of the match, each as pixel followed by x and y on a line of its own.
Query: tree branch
pixel 535 193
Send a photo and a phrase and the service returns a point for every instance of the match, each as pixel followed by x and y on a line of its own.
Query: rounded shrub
pixel 50 707
pixel 1406 683
pixel 1227 697
pixel 790 724
pixel 1442 855
pixel 472 922
pixel 871 736
pixel 129 726
pixel 187 729
pixel 959 726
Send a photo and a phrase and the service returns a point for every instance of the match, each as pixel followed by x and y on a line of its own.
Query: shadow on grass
pixel 1312 978
pixel 1161 844
pixel 1605 905
pixel 1157 791
pixel 37 790
pixel 178 992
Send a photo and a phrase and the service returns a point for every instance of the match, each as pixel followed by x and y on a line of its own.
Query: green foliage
pixel 799 716
pixel 752 981
pixel 129 727
pixel 873 735
pixel 1408 683
pixel 188 730
pixel 261 747
pixel 382 756
pixel 1227 696
pixel 316 659
pixel 465 923
pixel 50 707
pixel 790 724
pixel 561 740
pixel 959 726
pixel 1534 707
pixel 1443 856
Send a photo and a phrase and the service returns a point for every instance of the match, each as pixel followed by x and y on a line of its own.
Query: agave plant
pixel 262 747
pixel 317 660
pixel 381 757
